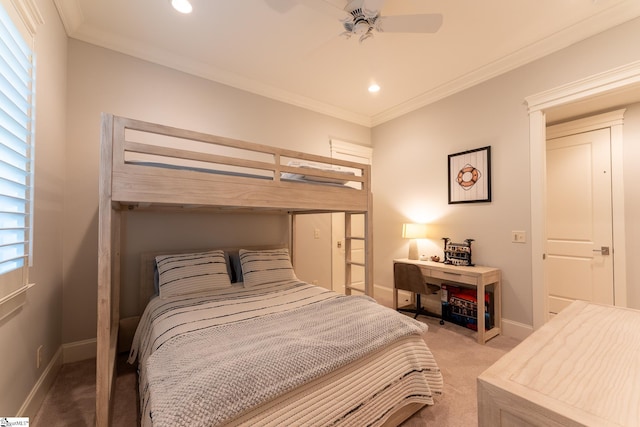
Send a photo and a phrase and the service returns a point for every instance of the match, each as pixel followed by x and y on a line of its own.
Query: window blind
pixel 16 151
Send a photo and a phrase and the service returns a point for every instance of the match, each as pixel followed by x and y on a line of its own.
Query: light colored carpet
pixel 461 360
pixel 71 400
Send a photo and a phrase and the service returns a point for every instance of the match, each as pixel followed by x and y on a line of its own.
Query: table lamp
pixel 414 232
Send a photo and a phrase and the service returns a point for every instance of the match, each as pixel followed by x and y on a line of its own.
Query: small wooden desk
pixel 579 369
pixel 477 276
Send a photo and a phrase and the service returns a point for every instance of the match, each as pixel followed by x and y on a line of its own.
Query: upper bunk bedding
pixel 272 349
pixel 306 173
pixel 151 164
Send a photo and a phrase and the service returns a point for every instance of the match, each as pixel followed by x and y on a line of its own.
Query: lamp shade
pixel 414 231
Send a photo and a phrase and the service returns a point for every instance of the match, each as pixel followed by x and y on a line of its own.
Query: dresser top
pixel 583 364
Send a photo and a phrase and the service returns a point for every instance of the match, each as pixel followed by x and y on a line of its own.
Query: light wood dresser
pixel 580 369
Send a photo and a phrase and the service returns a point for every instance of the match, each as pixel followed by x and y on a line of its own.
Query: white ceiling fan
pixel 362 18
pixel 365 18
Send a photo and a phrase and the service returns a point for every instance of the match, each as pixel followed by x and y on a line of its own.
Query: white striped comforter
pixel 208 339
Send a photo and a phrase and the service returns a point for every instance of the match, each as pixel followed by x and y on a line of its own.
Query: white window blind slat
pixel 13 142
pixel 15 164
pixel 16 109
pixel 14 38
pixel 14 183
pixel 10 264
pixel 13 119
pixel 11 207
pixel 14 75
pixel 12 236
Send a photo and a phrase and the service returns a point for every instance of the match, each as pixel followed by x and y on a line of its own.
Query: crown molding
pixel 617 78
pixel 70 14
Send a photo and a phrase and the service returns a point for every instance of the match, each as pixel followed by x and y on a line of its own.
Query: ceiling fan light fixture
pixel 373 88
pixel 361 27
pixel 182 6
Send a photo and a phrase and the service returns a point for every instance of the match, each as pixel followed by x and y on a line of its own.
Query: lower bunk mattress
pixel 288 353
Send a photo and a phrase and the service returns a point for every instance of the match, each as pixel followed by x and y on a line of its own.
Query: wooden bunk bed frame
pixel 125 185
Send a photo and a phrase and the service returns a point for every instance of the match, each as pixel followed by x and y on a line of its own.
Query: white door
pixel 578 216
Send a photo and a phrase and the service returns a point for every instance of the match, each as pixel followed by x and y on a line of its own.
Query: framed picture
pixel 469 176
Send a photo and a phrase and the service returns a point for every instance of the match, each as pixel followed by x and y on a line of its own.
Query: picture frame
pixel 469 176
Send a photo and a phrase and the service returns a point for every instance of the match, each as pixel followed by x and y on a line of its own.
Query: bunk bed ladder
pixel 350 263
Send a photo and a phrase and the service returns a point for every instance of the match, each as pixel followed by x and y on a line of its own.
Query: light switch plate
pixel 518 237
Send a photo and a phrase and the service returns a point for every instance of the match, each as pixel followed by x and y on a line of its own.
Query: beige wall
pixel 101 80
pixel 39 321
pixel 410 167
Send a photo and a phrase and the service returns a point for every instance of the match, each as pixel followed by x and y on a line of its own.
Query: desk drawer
pixel 426 272
pixel 454 277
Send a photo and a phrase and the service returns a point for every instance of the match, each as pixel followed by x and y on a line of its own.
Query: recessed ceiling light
pixel 374 88
pixel 182 6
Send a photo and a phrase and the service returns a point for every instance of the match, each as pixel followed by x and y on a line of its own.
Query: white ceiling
pixel 292 50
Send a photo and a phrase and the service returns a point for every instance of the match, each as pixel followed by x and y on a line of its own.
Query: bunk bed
pixel 155 167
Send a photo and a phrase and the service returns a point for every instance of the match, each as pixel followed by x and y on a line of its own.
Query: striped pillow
pixel 268 266
pixel 182 274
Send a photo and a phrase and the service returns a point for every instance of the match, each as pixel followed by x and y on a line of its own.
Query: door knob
pixel 604 250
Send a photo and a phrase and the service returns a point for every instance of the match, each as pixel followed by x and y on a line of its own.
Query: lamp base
pixel 413 250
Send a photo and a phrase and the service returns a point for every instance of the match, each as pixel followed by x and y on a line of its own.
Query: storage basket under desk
pixel 460 306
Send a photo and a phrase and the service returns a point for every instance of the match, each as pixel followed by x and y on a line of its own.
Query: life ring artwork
pixel 469 176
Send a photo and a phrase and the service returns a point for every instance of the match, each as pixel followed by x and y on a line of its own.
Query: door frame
pixel 609 82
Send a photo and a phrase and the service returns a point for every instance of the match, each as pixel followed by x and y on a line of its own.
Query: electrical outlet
pixel 39 357
pixel 518 237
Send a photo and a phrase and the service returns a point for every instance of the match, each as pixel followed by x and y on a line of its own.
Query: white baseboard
pixel 39 391
pixel 79 350
pixel 516 330
pixel 68 353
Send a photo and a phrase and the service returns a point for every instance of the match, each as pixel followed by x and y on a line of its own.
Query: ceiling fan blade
pixel 426 23
pixel 334 8
pixel 281 6
pixel 373 5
